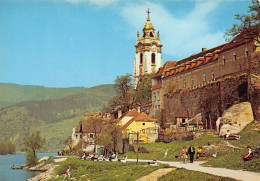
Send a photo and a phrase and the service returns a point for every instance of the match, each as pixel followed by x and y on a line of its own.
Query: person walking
pixel 67 173
pixel 191 152
pixel 184 154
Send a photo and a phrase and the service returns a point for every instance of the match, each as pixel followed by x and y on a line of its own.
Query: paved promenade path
pixel 236 174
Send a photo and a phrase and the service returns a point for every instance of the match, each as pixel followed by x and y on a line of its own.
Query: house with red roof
pixel 138 126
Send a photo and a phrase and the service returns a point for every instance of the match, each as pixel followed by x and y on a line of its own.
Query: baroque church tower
pixel 148 52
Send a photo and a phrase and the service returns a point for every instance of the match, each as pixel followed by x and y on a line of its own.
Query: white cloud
pixel 96 2
pixel 180 37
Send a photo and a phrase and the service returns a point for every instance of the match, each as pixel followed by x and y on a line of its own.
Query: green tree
pixel 33 143
pixel 7 147
pixel 248 24
pixel 109 136
pixel 143 92
pixel 123 85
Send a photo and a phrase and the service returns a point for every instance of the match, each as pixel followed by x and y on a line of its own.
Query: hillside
pixel 53 117
pixel 12 93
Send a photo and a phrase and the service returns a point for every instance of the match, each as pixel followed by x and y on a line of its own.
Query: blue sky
pixel 72 43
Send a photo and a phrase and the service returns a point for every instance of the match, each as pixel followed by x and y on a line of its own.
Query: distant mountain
pixel 55 118
pixel 12 93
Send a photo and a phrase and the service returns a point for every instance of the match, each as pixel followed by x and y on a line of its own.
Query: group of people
pixel 191 152
pixel 93 156
pixel 90 156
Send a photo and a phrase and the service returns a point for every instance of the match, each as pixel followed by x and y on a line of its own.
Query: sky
pixel 84 43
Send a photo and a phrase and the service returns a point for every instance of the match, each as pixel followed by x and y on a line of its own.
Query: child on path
pixel 184 154
pixel 67 173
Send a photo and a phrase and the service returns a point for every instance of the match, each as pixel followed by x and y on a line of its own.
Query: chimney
pixel 204 49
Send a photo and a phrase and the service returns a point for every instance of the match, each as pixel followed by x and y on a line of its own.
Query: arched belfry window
pixel 153 58
pixel 141 58
pixel 151 34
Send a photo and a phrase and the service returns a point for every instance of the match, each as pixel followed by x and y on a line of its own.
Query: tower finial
pixel 148 12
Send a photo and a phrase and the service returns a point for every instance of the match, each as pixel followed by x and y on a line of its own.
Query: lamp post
pixel 137 145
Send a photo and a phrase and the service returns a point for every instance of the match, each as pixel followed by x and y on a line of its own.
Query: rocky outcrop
pixel 48 174
pixel 236 118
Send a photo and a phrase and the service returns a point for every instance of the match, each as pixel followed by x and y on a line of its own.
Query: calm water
pixel 8 174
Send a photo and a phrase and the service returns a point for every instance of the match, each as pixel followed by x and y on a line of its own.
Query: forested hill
pixel 12 93
pixel 53 117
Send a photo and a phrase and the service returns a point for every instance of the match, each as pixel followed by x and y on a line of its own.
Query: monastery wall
pixel 211 100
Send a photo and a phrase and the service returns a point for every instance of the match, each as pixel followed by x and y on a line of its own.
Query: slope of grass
pixel 104 170
pixel 227 157
pixel 157 150
pixel 233 159
pixel 187 175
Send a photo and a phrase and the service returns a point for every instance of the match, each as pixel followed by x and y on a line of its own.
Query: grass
pixel 187 175
pixel 227 157
pixel 157 150
pixel 83 170
pixel 232 159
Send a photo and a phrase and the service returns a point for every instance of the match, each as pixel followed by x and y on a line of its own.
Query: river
pixel 8 174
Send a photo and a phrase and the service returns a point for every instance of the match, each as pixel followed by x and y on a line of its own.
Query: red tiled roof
pixel 241 39
pixel 167 65
pixel 143 117
pixel 201 54
pixel 137 117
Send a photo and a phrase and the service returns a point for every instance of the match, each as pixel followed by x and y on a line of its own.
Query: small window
pixel 234 56
pixel 154 98
pixel 177 85
pixel 212 74
pixel 246 52
pixel 151 34
pixel 184 83
pixel 224 60
pixel 191 81
pixel 91 135
pixel 204 77
pixel 143 123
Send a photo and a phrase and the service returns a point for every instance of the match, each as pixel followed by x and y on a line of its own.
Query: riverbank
pixel 8 161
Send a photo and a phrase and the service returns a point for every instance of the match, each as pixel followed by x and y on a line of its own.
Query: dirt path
pixel 236 174
pixel 156 174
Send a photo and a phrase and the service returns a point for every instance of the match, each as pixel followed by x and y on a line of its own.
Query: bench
pixel 153 163
pixel 232 137
pixel 123 160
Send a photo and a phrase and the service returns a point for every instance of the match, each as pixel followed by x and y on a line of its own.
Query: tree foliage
pixel 109 136
pixel 7 147
pixel 248 24
pixel 33 143
pixel 143 92
pixel 160 118
pixel 123 99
